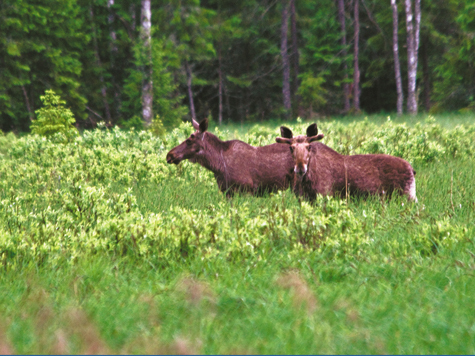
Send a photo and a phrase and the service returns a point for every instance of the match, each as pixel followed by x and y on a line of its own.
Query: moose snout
pixel 300 170
pixel 170 158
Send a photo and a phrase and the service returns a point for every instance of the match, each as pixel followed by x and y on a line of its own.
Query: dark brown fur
pixel 320 170
pixel 236 165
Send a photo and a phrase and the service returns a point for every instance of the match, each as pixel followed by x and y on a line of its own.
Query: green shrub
pixel 82 198
pixel 54 120
pixel 6 142
pixel 157 127
pixel 104 220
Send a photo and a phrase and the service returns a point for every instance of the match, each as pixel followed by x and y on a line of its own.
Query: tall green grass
pixel 106 249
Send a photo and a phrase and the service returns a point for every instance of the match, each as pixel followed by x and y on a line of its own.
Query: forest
pixel 128 63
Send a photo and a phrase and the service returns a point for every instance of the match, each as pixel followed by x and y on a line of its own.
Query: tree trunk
pixel 346 86
pixel 147 83
pixel 417 14
pixel 412 52
pixel 241 110
pixel 99 66
pixel 426 75
pixel 113 53
pixel 295 53
pixel 110 20
pixel 132 16
pixel 397 66
pixel 189 76
pixel 228 106
pixel 285 59
pixel 27 102
pixel 220 87
pixel 356 76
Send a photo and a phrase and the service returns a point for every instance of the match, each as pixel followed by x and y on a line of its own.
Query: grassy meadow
pixel 104 248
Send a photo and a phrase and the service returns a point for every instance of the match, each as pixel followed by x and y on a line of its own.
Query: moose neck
pixel 212 157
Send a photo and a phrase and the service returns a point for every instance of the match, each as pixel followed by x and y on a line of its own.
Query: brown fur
pixel 236 165
pixel 320 170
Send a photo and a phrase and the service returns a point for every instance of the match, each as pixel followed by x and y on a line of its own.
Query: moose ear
pixel 285 132
pixel 312 130
pixel 315 138
pixel 204 125
pixel 283 140
pixel 195 124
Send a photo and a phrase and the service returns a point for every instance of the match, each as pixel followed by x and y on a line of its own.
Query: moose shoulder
pixel 237 166
pixel 320 170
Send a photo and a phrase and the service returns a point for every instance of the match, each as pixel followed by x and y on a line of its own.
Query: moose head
pixel 192 146
pixel 300 146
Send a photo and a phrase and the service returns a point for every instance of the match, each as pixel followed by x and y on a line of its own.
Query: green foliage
pixel 79 202
pixel 104 219
pixel 39 52
pixel 135 122
pixel 312 92
pixel 54 119
pixel 166 100
pixel 157 127
pixel 453 89
pixel 321 54
pixel 6 142
pixel 95 62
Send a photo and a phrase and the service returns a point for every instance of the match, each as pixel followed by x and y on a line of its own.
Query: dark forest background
pixel 244 60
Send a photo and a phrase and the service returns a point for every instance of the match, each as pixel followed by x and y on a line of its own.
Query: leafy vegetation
pixel 228 55
pixel 54 118
pixel 106 248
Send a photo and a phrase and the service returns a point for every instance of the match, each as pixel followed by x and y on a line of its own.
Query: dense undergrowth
pixel 104 244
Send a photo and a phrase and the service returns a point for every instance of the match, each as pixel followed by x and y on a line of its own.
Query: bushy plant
pixel 68 197
pixel 134 123
pixel 6 142
pixel 109 221
pixel 157 128
pixel 54 120
pixel 312 91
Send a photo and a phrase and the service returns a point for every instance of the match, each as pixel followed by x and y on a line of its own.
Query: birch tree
pixel 113 54
pixel 147 84
pixel 413 29
pixel 397 66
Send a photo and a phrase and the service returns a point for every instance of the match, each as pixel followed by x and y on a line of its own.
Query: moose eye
pixel 192 136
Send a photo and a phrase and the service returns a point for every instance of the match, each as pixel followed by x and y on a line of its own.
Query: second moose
pixel 318 169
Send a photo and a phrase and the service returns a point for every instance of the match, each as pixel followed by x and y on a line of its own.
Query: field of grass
pixel 104 248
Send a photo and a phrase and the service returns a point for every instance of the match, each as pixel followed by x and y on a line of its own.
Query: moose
pixel 237 166
pixel 318 169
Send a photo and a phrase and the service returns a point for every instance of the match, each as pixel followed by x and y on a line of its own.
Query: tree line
pixel 132 62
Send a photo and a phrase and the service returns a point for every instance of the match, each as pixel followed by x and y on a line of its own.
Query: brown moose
pixel 237 166
pixel 318 169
